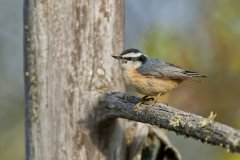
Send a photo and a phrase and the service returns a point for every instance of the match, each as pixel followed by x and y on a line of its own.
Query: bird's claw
pixel 136 108
pixel 150 105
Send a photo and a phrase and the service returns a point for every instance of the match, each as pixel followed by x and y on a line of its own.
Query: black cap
pixel 131 50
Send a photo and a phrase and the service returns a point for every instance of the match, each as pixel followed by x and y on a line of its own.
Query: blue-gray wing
pixel 161 69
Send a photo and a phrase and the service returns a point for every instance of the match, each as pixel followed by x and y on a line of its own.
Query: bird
pixel 151 77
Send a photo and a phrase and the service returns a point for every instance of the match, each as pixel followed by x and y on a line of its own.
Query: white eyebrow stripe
pixel 132 55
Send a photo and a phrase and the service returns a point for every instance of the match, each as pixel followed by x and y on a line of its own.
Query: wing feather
pixel 161 69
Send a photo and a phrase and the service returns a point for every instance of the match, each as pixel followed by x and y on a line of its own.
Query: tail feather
pixel 195 74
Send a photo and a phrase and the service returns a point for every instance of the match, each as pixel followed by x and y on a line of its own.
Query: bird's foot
pixel 148 98
pixel 150 105
pixel 154 101
pixel 143 100
pixel 136 108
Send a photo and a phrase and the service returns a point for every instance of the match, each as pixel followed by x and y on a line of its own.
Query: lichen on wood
pixel 115 105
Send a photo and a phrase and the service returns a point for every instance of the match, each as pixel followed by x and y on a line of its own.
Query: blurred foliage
pixel 223 84
pixel 217 54
pixel 11 81
pixel 11 143
pixel 220 92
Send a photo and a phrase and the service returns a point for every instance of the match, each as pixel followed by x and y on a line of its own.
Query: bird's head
pixel 131 58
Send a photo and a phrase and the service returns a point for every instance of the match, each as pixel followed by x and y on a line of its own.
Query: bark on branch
pixel 118 105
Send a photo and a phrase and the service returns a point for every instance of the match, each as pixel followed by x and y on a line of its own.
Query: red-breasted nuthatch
pixel 149 76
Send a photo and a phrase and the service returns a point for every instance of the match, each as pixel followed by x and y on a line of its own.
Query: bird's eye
pixel 129 58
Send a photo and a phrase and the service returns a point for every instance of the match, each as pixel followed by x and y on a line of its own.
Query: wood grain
pixel 68 48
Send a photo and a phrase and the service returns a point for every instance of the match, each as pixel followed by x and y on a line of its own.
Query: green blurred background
pixel 198 35
pixel 11 81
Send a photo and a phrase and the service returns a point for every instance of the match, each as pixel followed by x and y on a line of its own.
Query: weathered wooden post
pixel 68 48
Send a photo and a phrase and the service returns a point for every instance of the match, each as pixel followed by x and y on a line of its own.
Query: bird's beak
pixel 117 57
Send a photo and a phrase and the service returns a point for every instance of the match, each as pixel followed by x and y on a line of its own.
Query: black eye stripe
pixel 129 58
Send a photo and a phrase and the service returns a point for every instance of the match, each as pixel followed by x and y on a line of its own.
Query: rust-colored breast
pixel 149 85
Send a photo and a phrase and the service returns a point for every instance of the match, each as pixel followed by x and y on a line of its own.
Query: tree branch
pixel 119 105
